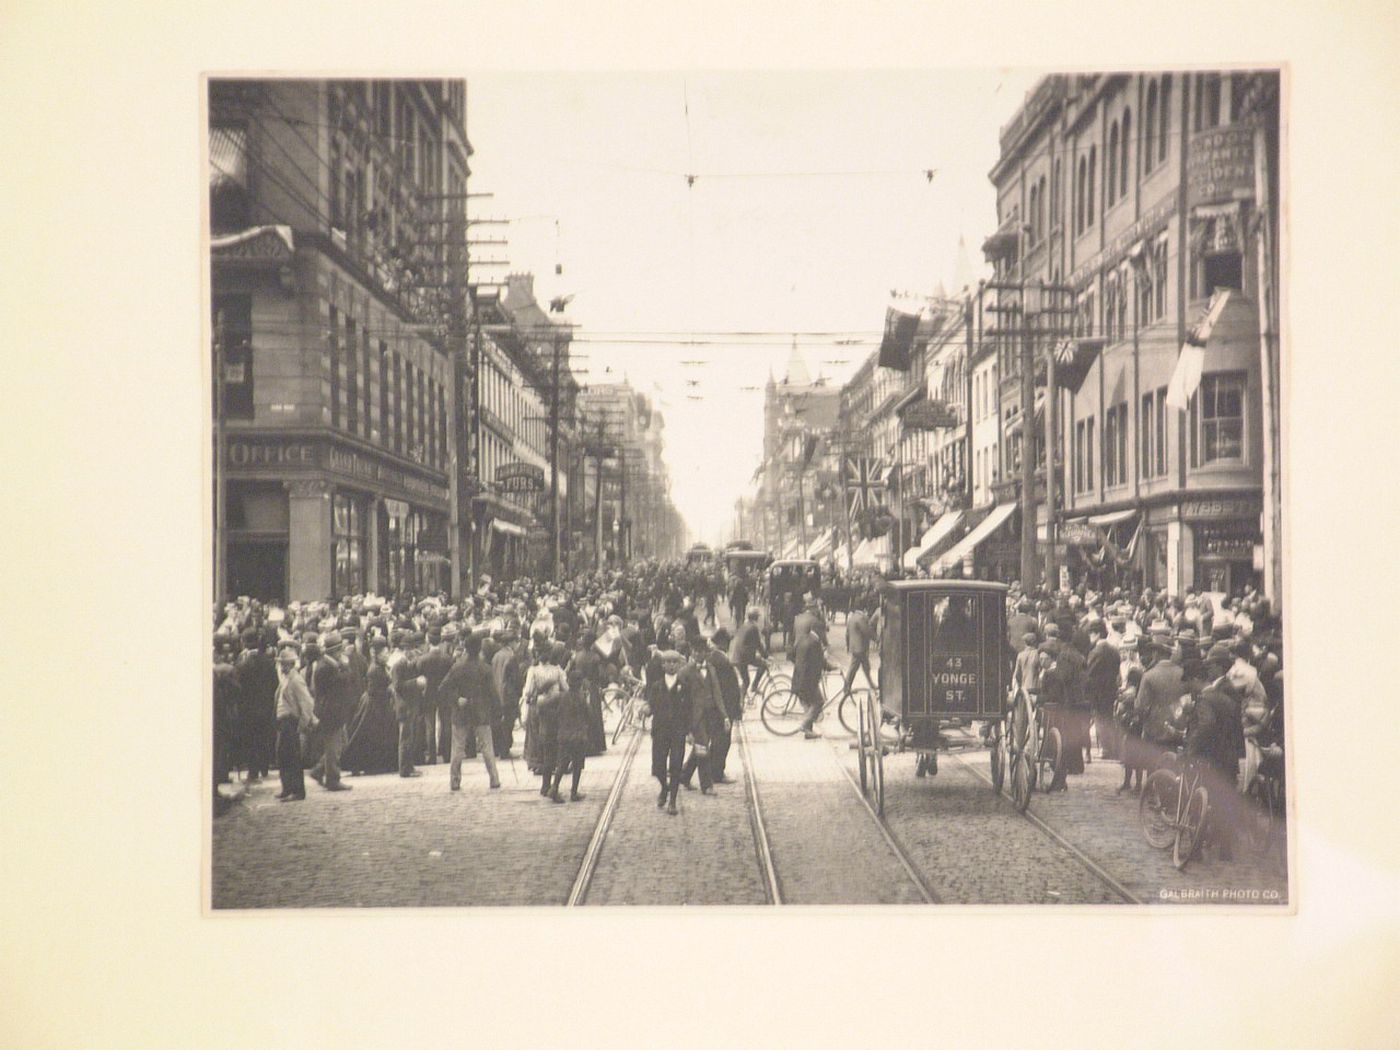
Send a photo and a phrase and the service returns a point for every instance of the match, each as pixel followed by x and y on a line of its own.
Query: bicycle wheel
pixel 1021 782
pixel 846 710
pixel 774 683
pixel 1050 750
pixel 877 755
pixel 782 713
pixel 1259 815
pixel 863 742
pixel 1188 832
pixel 1157 809
pixel 998 759
pixel 623 721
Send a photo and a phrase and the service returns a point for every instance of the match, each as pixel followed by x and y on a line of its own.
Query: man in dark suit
pixel 1158 696
pixel 510 681
pixel 749 650
pixel 1101 684
pixel 732 699
pixel 437 715
pixel 257 678
pixel 1212 737
pixel 334 692
pixel 672 705
pixel 809 663
pixel 470 690
pixel 406 687
pixel 709 721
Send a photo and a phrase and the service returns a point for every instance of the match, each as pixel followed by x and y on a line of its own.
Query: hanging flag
pixel 898 343
pixel 864 481
pixel 1186 377
pixel 1073 359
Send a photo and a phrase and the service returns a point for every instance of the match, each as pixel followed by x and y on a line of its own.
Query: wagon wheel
pixel 861 744
pixel 1021 782
pixel 998 758
pixel 877 758
pixel 1050 753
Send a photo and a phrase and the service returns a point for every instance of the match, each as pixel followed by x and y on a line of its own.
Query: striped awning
pixel 932 538
pixel 969 543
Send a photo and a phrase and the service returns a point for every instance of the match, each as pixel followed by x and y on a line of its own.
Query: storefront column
pixel 1176 563
pixel 309 549
pixel 372 544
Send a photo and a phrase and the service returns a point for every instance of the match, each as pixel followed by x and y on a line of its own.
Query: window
pixel 1123 164
pixel 335 366
pixel 233 353
pixel 1159 279
pixel 1115 440
pixel 1164 118
pixel 386 426
pixel 348 544
pixel 1089 196
pixel 1034 207
pixel 1149 121
pixel 366 427
pixel 1207 109
pixel 1111 181
pixel 1110 307
pixel 228 177
pixel 352 378
pixel 381 109
pixel 1080 182
pixel 1146 439
pixel 1056 193
pixel 1217 419
pixel 1222 271
pixel 1161 436
pixel 1089 453
pixel 1144 293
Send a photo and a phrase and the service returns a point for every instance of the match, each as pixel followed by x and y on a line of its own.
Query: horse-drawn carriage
pixel 789 584
pixel 944 664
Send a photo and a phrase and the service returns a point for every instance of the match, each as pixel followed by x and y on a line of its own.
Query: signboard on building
pixel 1081 534
pixel 1220 165
pixel 259 456
pixel 930 415
pixel 520 477
pixel 1216 508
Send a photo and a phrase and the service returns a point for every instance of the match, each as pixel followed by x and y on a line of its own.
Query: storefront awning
pixel 871 551
pixel 821 544
pixel 792 550
pixel 969 543
pixel 509 528
pixel 1112 518
pixel 932 538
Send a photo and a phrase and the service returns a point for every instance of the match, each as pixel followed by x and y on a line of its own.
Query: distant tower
pixel 962 269
pixel 797 374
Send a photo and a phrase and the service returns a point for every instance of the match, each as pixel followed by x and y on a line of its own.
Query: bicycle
pixel 1265 797
pixel 1174 806
pixel 783 713
pixel 1009 755
pixel 627 697
pixel 1045 746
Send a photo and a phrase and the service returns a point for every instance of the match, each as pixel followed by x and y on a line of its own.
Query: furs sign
pixel 520 478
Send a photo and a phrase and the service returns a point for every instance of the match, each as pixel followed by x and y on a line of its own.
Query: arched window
pixel 1111 181
pixel 1033 209
pixel 1041 208
pixel 1149 119
pixel 1089 197
pixel 1165 117
pixel 1079 195
pixel 1127 138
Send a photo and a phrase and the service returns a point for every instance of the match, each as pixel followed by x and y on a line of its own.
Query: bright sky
pixel 811 205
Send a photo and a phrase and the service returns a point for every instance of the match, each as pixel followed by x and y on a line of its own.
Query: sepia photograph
pixel 747 488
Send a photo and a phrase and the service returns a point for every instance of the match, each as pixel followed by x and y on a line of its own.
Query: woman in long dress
pixel 373 730
pixel 544 681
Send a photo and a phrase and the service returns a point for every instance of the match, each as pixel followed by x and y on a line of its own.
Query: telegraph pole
pixel 554 465
pixel 1028 566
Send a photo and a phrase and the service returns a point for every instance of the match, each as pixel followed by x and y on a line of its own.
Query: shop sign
pixel 1081 534
pixel 520 477
pixel 930 415
pixel 1220 165
pixel 253 452
pixel 1215 509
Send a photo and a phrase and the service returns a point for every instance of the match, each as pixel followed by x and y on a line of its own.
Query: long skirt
pixel 374 738
pixel 597 738
pixel 1073 724
pixel 534 751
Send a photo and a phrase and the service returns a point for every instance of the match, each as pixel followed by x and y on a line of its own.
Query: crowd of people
pixel 372 685
pixel 1143 675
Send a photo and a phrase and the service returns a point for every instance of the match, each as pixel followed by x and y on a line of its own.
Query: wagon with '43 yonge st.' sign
pixel 945 663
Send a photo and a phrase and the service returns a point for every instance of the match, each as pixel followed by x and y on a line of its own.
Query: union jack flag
pixel 864 478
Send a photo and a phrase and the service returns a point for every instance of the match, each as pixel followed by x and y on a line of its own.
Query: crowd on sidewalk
pixel 372 685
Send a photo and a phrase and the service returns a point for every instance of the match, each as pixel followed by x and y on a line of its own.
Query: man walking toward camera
pixel 470 689
pixel 295 715
pixel 335 701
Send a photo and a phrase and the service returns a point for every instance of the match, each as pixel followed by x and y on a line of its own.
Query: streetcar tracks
pixel 1074 851
pixel 896 847
pixel 579 892
pixel 760 830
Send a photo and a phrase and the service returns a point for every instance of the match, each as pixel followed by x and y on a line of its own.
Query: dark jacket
pixel 722 671
pixel 1157 696
pixel 672 709
pixel 510 679
pixel 470 679
pixel 707 714
pixel 407 693
pixel 1102 678
pixel 808 663
pixel 1214 728
pixel 747 644
pixel 858 633
pixel 434 666
pixel 334 694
